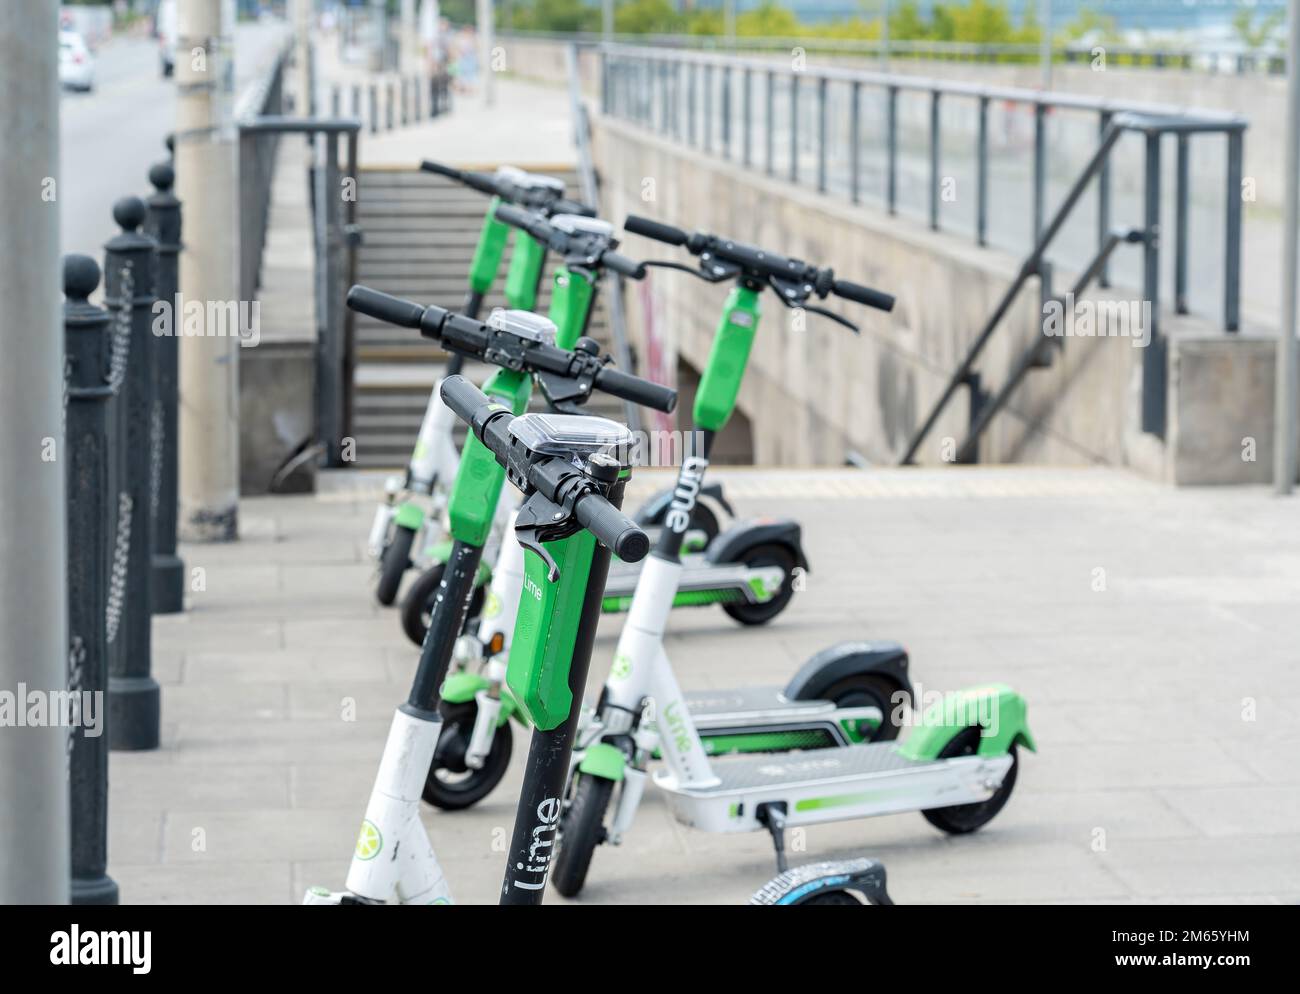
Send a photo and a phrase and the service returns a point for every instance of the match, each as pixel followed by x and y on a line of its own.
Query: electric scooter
pixel 586 247
pixel 572 482
pixel 842 696
pixel 414 504
pixel 958 769
pixel 571 472
pixel 749 568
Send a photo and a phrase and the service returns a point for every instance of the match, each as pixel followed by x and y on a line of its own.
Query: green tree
pixel 640 17
pixel 558 15
pixel 906 22
pixel 1255 36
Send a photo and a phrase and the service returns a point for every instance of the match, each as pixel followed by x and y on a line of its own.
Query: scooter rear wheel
pixel 582 828
pixel 394 562
pixel 961 819
pixel 759 556
pixel 450 784
pixel 867 690
pixel 417 605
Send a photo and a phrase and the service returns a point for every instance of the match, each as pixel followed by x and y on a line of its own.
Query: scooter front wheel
pixel 394 562
pixel 452 785
pixel 963 818
pixel 417 605
pixel 582 828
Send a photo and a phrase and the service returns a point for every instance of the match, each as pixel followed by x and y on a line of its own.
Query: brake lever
pixel 536 524
pixel 692 270
pixel 793 295
pixel 834 317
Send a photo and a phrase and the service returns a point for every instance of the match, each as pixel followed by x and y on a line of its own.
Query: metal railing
pixel 335 239
pixel 256 169
pixel 728 106
pixel 386 102
pixel 1202 58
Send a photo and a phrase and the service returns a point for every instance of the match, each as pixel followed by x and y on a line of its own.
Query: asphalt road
pixel 109 138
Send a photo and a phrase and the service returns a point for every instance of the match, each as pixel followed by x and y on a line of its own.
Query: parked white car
pixel 76 64
pixel 165 28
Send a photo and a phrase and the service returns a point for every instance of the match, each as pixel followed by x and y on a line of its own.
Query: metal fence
pixel 890 138
pixel 1200 58
pixel 989 162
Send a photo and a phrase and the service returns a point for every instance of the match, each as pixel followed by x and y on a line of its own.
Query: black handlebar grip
pixel 526 220
pixel 863 295
pixel 393 310
pixel 464 399
pixel 612 528
pixel 638 391
pixel 565 206
pixel 653 229
pixel 429 166
pixel 623 265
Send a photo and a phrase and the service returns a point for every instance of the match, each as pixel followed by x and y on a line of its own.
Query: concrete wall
pixel 814 392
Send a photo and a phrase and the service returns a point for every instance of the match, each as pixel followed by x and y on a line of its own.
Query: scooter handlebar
pixel 566 206
pixel 612 528
pixel 392 310
pixel 637 390
pixel 863 295
pixel 653 229
pixel 478 181
pixel 525 220
pixel 622 265
pixel 465 400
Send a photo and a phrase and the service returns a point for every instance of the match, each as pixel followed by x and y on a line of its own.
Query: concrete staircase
pixel 419 236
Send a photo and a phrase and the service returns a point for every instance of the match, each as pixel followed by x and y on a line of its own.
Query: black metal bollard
pixel 163 224
pixel 388 106
pixel 374 110
pixel 134 698
pixel 94 371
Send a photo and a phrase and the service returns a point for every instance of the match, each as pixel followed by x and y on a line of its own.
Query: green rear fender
pixel 603 760
pixel 996 708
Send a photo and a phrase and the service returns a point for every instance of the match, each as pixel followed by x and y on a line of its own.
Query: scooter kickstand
pixel 772 817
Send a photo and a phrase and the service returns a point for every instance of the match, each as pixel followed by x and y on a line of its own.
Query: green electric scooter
pixel 407 520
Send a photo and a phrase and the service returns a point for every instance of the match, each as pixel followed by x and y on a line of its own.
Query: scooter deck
pixel 699 576
pixel 758 710
pixel 830 785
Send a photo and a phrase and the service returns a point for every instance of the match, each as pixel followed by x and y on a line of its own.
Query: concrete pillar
pixel 410 39
pixel 302 89
pixel 34 656
pixel 1284 449
pixel 209 273
pixel 486 42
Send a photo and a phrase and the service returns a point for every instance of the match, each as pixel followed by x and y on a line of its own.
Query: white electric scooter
pixel 958 769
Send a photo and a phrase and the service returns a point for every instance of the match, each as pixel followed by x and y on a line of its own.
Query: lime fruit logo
pixel 622 667
pixel 493 606
pixel 369 842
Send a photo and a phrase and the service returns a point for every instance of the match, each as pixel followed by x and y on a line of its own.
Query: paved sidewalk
pixel 1164 704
